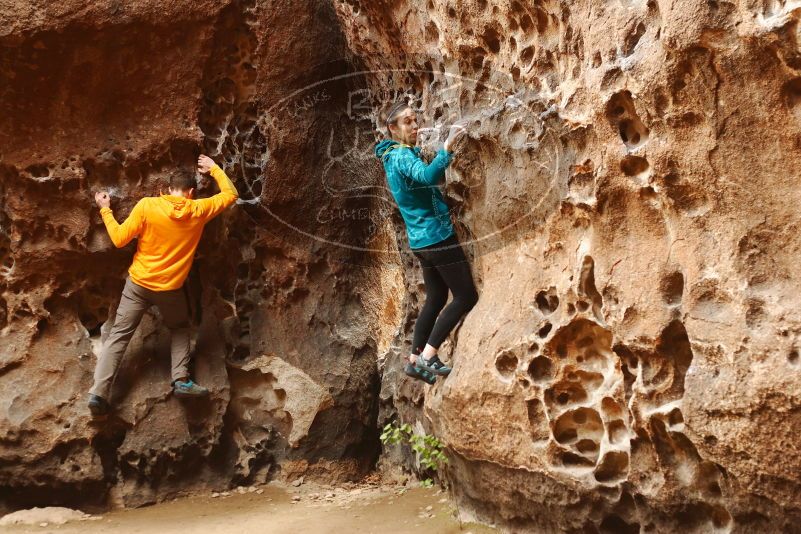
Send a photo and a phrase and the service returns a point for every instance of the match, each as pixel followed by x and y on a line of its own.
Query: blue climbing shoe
pixel 434 365
pixel 188 389
pixel 419 374
pixel 98 406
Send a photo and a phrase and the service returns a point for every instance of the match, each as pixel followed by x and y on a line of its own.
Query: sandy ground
pixel 277 509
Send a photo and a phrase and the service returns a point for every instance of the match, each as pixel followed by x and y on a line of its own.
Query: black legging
pixel 444 267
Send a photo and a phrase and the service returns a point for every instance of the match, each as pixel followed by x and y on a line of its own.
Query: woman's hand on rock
pixel 455 134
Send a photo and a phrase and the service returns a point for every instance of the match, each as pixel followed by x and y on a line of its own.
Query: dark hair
pixel 182 180
pixel 395 110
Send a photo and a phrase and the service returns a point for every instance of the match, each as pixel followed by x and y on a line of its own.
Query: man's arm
pixel 209 208
pixel 413 167
pixel 121 234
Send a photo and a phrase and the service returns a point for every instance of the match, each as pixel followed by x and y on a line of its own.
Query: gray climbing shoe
pixel 420 374
pixel 98 406
pixel 434 365
pixel 188 389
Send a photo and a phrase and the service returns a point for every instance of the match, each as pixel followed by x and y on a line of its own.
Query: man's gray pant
pixel 134 303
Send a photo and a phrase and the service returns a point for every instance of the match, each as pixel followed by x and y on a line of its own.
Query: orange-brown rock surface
pixel 117 95
pixel 629 195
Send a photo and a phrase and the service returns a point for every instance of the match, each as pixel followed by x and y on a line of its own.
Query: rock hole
pixel 580 425
pixel 582 305
pixel 547 301
pixel 587 286
pixel 611 408
pixel 492 40
pixel 793 357
pixel 540 368
pixel 633 165
pixel 432 32
pixel 628 124
pixel 526 24
pixel 570 459
pixel 672 288
pixel 613 467
pixel 566 436
pixel 542 20
pixel 544 330
pixel 630 43
pixel 675 417
pixel 614 524
pixel 590 380
pixel 721 517
pixel 648 192
pixel 515 8
pixel 791 91
pixel 571 309
pixel 506 364
pixel 39 171
pixel 629 133
pixel 526 55
pixel 617 432
pixel 41 324
pixel 696 516
pixel 676 355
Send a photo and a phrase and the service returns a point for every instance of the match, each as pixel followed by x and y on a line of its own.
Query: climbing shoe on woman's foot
pixel 420 374
pixel 98 406
pixel 188 389
pixel 434 365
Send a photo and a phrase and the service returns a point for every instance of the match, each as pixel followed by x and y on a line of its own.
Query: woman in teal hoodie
pixel 415 188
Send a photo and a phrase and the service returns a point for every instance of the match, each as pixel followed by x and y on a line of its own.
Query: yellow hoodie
pixel 169 229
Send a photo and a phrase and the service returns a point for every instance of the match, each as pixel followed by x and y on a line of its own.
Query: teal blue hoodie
pixel 415 187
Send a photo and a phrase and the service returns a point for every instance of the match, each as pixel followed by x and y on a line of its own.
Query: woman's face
pixel 405 127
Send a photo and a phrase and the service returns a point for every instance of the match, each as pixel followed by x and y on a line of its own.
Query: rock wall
pixel 111 95
pixel 629 201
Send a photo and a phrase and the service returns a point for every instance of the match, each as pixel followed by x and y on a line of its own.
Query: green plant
pixel 428 448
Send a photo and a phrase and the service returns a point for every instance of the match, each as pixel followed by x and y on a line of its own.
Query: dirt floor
pixel 277 509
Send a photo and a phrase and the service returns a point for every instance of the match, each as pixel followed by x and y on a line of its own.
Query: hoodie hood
pixel 176 207
pixel 383 148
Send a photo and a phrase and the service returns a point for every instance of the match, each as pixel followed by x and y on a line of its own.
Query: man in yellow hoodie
pixel 168 228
